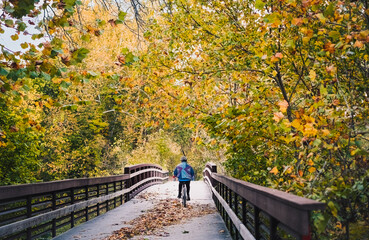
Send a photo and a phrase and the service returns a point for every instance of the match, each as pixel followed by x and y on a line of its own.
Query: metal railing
pixel 32 211
pixel 251 211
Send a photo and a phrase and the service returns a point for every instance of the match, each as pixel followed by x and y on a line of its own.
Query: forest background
pixel 275 92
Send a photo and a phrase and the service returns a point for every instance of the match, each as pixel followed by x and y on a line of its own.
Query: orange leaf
pixel 274 59
pixel 274 171
pixel 297 21
pixel 279 55
pixel 301 173
pixel 283 105
pixel 358 44
pixel 278 116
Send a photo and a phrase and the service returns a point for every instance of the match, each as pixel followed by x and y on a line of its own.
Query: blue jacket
pixel 184 172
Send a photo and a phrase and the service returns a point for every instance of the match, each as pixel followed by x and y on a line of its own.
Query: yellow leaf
pixel 274 171
pixel 57 80
pixel 339 225
pixel 353 152
pixel 46 104
pixel 312 169
pixel 297 124
pixel 286 123
pixel 24 45
pixel 305 40
pixel 312 75
pixel 309 119
pixel 309 130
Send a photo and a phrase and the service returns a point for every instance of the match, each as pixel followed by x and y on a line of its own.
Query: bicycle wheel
pixel 184 195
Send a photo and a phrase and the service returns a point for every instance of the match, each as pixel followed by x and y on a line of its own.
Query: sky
pixel 14 46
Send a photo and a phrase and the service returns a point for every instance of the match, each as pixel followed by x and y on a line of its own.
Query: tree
pixel 284 83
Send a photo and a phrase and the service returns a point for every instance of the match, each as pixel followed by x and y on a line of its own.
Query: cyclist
pixel 184 172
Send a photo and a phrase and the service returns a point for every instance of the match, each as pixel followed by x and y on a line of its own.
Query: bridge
pixel 129 206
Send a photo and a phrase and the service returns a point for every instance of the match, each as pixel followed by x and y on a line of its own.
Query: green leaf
pixel 65 84
pixel 323 90
pixel 85 38
pixel 3 71
pixel 14 37
pixel 70 3
pixel 21 26
pixel 122 15
pixel 320 222
pixel 55 52
pixel 9 23
pixel 80 54
pixel 129 58
pixel 290 43
pixel 45 76
pixel 259 4
pixel 358 143
pixel 334 34
pixel 329 11
pixel 100 22
pixel 23 7
pixel 9 9
pixel 317 142
pixel 33 75
pixel 92 74
pixel 26 88
pixel 125 50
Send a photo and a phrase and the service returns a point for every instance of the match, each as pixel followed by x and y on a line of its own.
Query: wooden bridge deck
pixel 209 226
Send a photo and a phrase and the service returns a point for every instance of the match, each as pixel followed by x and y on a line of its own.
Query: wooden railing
pixel 44 210
pixel 254 212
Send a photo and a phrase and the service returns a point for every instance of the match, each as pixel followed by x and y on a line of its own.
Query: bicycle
pixel 184 195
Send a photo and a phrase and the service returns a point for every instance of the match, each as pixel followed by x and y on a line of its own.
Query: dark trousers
pixel 187 186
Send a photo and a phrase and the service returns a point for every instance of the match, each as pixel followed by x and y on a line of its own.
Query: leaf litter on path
pixel 165 213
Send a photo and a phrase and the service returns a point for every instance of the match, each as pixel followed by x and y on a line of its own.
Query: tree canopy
pixel 276 91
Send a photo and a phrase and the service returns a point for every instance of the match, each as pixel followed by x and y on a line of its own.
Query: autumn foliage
pixel 277 90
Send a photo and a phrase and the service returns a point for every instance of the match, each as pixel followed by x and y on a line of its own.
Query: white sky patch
pixel 14 46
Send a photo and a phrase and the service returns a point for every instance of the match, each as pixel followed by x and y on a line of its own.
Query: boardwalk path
pixel 210 226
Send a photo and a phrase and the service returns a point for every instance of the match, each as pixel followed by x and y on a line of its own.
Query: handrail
pixel 30 211
pixel 266 213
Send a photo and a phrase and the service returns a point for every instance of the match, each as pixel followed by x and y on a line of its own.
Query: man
pixel 184 172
